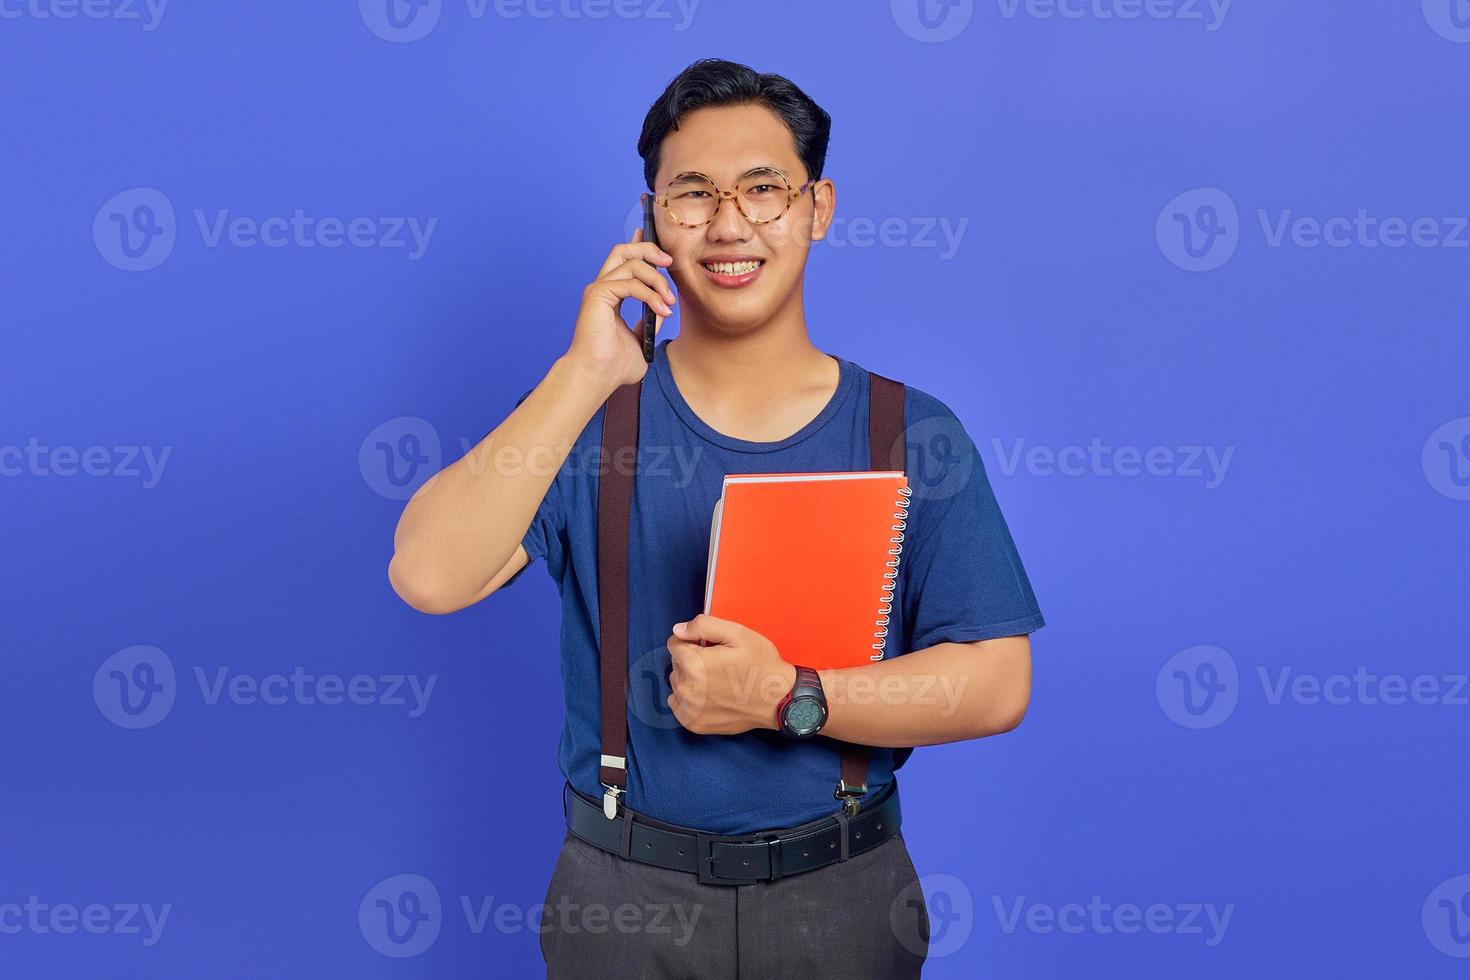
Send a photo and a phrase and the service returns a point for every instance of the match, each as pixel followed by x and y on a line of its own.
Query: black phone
pixel 649 316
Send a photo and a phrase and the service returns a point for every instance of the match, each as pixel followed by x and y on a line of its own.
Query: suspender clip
pixel 850 795
pixel 610 802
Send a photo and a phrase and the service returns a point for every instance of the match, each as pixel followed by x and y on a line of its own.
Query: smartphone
pixel 649 316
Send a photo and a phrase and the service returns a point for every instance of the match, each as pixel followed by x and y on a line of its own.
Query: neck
pixel 749 367
pixel 762 386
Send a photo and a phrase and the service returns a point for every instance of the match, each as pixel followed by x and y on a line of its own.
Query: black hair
pixel 717 82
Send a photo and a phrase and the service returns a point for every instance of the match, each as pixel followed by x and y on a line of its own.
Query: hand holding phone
pixel 603 343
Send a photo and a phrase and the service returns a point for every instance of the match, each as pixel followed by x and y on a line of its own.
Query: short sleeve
pixel 960 576
pixel 544 538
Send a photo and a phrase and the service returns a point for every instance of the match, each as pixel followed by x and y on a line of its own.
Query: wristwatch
pixel 803 711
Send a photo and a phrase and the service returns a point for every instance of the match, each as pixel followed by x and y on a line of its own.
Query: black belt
pixel 743 859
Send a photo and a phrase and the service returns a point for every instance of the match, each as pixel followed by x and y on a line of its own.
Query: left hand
pixel 729 686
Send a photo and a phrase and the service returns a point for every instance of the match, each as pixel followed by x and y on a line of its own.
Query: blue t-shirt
pixel 959 579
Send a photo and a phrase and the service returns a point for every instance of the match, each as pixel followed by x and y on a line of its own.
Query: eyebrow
pixel 756 169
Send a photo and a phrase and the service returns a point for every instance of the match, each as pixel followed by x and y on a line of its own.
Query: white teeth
pixel 732 268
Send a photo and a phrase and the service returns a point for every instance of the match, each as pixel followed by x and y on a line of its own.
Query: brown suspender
pixel 614 502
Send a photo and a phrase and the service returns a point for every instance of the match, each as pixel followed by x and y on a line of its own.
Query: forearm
pixel 944 693
pixel 464 524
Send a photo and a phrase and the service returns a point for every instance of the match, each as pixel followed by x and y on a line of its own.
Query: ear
pixel 824 198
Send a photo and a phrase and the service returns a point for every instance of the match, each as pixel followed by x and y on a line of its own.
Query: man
pixel 734 161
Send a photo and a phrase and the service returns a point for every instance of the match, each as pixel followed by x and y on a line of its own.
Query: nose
pixel 729 225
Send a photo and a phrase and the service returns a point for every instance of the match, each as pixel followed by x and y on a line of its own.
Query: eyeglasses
pixel 762 195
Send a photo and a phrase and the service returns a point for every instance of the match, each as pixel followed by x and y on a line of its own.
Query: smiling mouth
pixel 733 268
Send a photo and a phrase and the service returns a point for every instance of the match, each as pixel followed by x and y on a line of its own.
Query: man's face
pixel 724 144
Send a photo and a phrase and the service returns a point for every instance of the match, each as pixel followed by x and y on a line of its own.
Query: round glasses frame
pixel 721 196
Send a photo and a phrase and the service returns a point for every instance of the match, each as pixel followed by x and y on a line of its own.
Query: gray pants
pixel 611 919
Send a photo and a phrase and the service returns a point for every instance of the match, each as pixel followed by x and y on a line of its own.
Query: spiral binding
pixel 885 604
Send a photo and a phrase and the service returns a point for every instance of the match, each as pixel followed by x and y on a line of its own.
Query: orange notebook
pixel 809 561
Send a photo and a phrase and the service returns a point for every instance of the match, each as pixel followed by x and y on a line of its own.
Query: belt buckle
pixel 704 858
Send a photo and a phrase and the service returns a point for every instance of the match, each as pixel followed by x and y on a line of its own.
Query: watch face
pixel 803 715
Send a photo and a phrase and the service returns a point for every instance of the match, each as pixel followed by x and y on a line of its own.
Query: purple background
pixel 1059 148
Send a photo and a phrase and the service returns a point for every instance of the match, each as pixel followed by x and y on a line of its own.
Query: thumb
pixel 707 628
